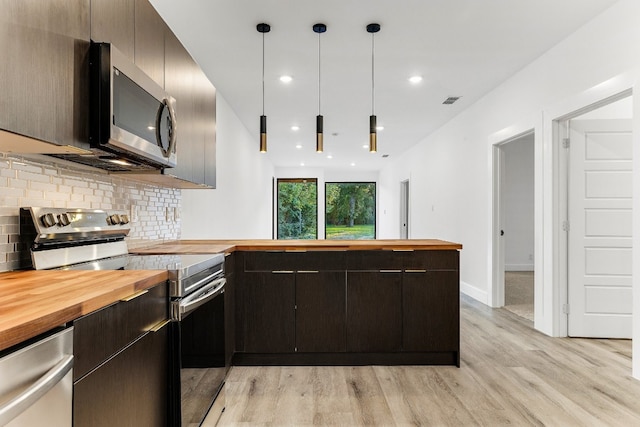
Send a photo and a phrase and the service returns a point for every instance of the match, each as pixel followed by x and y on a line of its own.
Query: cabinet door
pixel 44 76
pixel 131 389
pixel 268 312
pixel 321 311
pixel 208 120
pixel 149 41
pixel 113 21
pixel 229 319
pixel 374 311
pixel 431 306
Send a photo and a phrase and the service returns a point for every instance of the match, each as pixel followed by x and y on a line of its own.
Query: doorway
pixel 404 209
pixel 597 150
pixel 516 207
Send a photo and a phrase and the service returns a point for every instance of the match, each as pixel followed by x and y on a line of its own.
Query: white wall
pixel 518 204
pixel 240 206
pixel 451 171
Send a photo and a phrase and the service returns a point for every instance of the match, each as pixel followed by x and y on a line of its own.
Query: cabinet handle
pixel 390 271
pixel 308 271
pixel 282 272
pixel 160 325
pixel 415 271
pixel 134 296
pixel 295 250
pixel 402 250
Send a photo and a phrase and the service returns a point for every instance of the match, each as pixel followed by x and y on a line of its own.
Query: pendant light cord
pixel 373 99
pixel 263 74
pixel 319 71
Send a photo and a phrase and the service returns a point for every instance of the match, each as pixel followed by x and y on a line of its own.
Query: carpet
pixel 518 293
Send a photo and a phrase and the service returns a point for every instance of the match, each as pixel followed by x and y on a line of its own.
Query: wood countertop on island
pixel 35 301
pixel 221 246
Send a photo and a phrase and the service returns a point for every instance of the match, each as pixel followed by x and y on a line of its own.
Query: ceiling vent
pixel 450 100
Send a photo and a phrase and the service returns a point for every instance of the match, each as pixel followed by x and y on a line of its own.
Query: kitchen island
pixel 338 302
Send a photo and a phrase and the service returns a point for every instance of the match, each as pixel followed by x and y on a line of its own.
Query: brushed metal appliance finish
pixel 36 386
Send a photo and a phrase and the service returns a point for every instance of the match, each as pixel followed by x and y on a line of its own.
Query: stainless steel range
pixel 90 239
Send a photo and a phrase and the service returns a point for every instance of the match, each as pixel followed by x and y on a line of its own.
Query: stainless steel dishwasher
pixel 36 387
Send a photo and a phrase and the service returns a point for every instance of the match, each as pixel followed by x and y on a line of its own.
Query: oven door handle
pixel 181 308
pixel 205 280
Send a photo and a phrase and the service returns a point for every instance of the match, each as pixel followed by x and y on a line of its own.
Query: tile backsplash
pixel 37 181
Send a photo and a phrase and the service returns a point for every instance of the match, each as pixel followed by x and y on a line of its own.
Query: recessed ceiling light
pixel 301 163
pixel 295 128
pixel 353 164
pixel 379 127
pixel 329 156
pixel 415 79
pixel 298 146
pixel 286 79
pixel 365 146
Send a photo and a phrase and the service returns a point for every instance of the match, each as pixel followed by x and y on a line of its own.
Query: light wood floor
pixel 510 375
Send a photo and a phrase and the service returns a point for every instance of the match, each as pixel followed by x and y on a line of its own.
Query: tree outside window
pixel 297 208
pixel 350 210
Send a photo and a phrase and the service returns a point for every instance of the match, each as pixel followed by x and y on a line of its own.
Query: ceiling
pixel 461 48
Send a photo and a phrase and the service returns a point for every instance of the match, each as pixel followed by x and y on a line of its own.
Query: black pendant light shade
pixel 373 136
pixel 263 28
pixel 319 29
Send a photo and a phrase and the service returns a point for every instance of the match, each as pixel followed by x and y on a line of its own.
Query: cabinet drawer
pixel 295 261
pixel 374 260
pixel 431 260
pixel 100 334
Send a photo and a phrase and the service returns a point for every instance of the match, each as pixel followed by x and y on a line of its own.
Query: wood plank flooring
pixel 509 375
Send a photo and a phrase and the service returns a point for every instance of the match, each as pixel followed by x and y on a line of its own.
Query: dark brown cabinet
pixel 150 32
pixel 374 311
pixel 268 312
pixel 352 307
pixel 229 309
pixel 113 21
pixel 320 311
pixel 44 77
pixel 121 362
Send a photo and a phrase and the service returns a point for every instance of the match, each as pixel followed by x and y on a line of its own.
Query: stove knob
pixel 113 219
pixel 48 220
pixel 63 219
pixel 124 219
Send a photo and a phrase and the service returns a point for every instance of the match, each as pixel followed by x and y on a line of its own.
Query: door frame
pixel 560 129
pixel 498 292
pixel 405 189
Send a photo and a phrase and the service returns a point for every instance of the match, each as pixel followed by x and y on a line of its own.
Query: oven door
pixel 199 356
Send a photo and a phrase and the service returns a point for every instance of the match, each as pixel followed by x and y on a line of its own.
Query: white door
pixel 599 242
pixel 404 209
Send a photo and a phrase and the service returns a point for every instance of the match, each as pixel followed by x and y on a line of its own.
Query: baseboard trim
pixel 475 293
pixel 518 267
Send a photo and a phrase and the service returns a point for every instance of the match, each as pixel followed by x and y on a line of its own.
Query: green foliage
pixel 297 210
pixel 350 204
pixel 365 231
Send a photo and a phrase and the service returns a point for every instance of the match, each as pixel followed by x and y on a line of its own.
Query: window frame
pixel 277 207
pixel 375 206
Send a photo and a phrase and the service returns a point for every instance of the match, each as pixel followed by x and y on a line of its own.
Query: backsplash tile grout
pixel 29 181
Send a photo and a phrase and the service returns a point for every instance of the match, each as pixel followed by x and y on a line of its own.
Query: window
pixel 350 210
pixel 298 208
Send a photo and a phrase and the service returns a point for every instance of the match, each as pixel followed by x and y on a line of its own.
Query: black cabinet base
pixel 346 359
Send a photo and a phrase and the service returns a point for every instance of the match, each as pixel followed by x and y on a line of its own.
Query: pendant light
pixel 263 28
pixel 373 137
pixel 319 29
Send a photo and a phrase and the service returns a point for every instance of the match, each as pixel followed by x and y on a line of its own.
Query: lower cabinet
pixel 374 311
pixel 320 311
pixel 130 389
pixel 430 311
pixel 268 312
pixel 121 363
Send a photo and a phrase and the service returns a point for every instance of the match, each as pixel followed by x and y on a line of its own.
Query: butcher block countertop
pixel 219 246
pixel 35 301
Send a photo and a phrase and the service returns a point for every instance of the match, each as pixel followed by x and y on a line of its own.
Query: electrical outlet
pixel 134 213
pixel 176 213
pixel 168 214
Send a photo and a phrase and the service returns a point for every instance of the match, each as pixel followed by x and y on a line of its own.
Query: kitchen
pixel 166 214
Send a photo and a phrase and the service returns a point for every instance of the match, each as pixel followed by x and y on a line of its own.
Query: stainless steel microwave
pixel 131 116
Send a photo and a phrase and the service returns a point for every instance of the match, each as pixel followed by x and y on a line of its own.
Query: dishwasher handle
pixel 181 308
pixel 34 392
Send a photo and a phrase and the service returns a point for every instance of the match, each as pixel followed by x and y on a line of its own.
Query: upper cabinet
pixel 113 21
pixel 44 73
pixel 149 49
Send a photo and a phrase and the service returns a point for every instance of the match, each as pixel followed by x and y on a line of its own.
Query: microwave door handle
pixel 172 114
pixel 204 295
